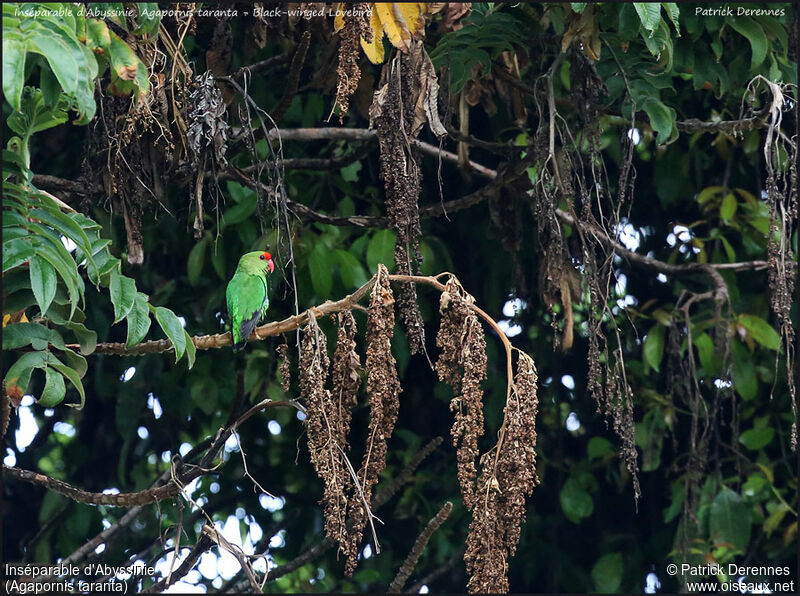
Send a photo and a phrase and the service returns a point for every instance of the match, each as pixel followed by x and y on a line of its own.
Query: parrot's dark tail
pixel 239 347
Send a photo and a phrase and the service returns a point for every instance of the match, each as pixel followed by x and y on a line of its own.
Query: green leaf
pixel 54 389
pixel 599 447
pixel 54 252
pixel 98 37
pixel 578 6
pixel 676 503
pixel 729 251
pixel 729 520
pixel 74 377
pixel 125 65
pixel 705 349
pixel 241 210
pixel 16 252
pixel 62 223
pixel 754 33
pixel 43 282
pixel 662 119
pixel 381 250
pixel 51 90
pixel 123 293
pixel 674 13
pixel 194 264
pixel 191 350
pixel 14 52
pixel 757 438
pixel 138 320
pixel 649 435
pixel 35 335
pixel 654 347
pixel 320 267
pixel 728 208
pixel 19 374
pixel 761 331
pixel 576 503
pixel 173 329
pixel 351 270
pixel 607 573
pixel 744 377
pixel 350 172
pixel 649 14
pixel 775 518
pixel 62 53
pixel 148 19
pixel 86 337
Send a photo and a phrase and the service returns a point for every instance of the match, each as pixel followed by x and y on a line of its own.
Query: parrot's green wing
pixel 247 303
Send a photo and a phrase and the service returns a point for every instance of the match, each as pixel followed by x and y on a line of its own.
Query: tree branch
pixel 201 546
pixel 380 499
pixel 692 125
pixel 262 66
pixel 416 551
pixel 149 495
pixel 436 573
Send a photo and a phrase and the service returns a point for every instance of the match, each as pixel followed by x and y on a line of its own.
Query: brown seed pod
pixel 508 476
pixel 321 427
pixel 383 389
pixel 285 369
pixel 462 364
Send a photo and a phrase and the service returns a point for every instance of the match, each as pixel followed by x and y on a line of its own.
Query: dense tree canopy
pixel 532 321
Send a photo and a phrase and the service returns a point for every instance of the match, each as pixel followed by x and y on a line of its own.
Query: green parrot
pixel 247 295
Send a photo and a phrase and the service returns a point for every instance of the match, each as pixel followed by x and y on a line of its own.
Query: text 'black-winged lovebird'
pixel 247 295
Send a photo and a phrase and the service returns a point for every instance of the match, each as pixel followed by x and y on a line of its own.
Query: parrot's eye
pixel 262 257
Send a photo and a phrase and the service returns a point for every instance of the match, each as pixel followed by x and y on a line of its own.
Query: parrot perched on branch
pixel 247 295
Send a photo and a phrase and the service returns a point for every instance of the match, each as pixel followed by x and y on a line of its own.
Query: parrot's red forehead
pixel 266 256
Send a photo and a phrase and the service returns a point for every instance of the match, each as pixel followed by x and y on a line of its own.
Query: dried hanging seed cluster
pixel 462 364
pixel 383 389
pixel 345 374
pixel 392 113
pixel 285 367
pixel 351 29
pixel 606 383
pixel 508 476
pixel 327 437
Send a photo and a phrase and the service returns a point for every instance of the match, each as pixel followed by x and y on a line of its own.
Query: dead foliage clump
pixel 780 159
pixel 496 499
pixel 345 377
pixel 405 100
pixel 462 364
pixel 285 366
pixel 383 389
pixel 207 138
pixel 606 379
pixel 133 146
pixel 351 28
pixel 325 440
pixel 508 476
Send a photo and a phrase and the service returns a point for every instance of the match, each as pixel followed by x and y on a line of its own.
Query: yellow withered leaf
pixel 338 20
pixel 400 21
pixel 374 49
pixel 391 27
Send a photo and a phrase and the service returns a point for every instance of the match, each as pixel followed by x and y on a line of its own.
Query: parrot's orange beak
pixel 271 265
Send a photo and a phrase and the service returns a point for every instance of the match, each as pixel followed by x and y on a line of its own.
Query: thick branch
pixel 149 495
